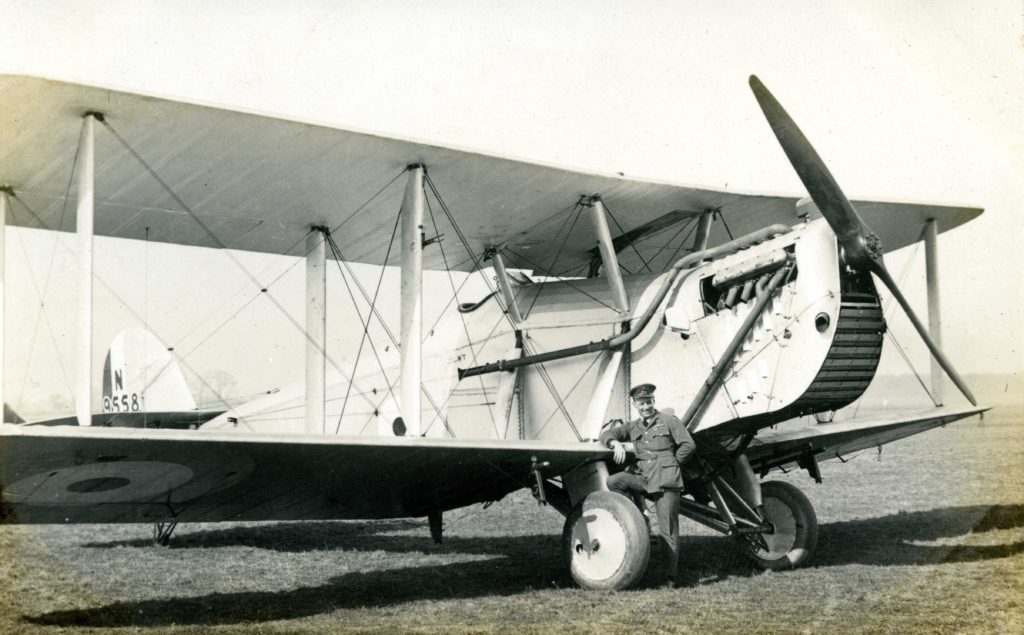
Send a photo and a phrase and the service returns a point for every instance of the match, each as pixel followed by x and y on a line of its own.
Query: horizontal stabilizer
pixel 180 419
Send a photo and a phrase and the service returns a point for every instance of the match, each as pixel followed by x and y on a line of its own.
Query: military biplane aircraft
pixel 747 310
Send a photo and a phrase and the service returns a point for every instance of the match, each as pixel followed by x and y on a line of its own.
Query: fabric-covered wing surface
pixel 258 183
pixel 68 474
pixel 771 449
pixel 178 420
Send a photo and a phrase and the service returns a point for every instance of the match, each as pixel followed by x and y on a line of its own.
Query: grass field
pixel 930 538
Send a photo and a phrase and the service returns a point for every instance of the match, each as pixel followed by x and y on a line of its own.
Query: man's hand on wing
pixel 619 450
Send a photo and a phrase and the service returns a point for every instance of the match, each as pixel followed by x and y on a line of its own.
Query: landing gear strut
pixel 436 527
pixel 162 533
pixel 795 526
pixel 781 534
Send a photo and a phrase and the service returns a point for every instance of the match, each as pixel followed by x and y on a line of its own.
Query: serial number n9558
pixel 124 402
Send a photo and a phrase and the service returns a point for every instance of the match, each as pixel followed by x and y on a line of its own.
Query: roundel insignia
pixel 120 482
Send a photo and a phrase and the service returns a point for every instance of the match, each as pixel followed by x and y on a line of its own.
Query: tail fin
pixel 140 375
pixel 10 416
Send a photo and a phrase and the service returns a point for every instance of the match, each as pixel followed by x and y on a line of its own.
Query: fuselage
pixel 815 347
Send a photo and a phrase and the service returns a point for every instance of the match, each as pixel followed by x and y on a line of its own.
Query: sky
pixel 907 100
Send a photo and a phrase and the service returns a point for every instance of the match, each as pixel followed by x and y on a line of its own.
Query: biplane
pixel 747 310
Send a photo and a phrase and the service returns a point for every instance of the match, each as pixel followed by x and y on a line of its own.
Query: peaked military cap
pixel 642 390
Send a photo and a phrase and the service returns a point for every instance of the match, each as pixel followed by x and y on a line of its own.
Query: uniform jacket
pixel 662 447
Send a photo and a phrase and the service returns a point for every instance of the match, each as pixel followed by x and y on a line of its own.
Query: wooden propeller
pixel 862 246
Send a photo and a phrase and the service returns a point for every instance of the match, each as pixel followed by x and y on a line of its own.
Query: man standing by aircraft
pixel 662 445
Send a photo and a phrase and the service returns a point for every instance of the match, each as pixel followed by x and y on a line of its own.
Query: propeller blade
pixel 883 275
pixel 862 246
pixel 856 238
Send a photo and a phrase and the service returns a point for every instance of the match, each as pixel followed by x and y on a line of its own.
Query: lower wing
pixel 122 475
pixel 775 449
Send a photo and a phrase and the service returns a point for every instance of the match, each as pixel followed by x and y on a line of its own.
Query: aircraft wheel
pixel 605 542
pixel 796 528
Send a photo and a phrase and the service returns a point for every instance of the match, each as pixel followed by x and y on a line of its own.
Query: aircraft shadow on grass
pixel 294 537
pixel 892 540
pixel 895 539
pixel 520 564
pixel 536 564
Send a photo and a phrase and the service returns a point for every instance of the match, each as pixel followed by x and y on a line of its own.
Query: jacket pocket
pixel 661 442
pixel 667 462
pixel 669 474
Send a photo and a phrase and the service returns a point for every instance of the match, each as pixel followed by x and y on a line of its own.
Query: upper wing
pixel 259 183
pixel 771 449
pixel 118 475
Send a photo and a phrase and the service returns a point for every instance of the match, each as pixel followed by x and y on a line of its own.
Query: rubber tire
pixel 796 527
pixel 612 521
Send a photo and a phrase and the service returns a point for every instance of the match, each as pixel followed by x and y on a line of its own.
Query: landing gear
pixel 162 533
pixel 605 542
pixel 436 527
pixel 795 526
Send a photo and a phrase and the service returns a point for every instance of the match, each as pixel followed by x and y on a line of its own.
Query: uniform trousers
pixel 666 504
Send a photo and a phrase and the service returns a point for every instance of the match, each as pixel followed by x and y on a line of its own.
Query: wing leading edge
pixel 118 475
pixel 260 182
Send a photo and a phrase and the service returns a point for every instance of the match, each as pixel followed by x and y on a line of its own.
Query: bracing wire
pixel 343 268
pixel 444 309
pixel 221 245
pixel 246 287
pixel 721 215
pixel 49 271
pixel 289 250
pixel 689 223
pixel 465 243
pixel 554 260
pixel 501 318
pixel 366 326
pixel 888 303
pixel 546 377
pixel 561 280
pixel 462 318
pixel 682 243
pixel 136 315
pixel 569 394
pixel 577 271
pixel 631 244
pixel 369 200
pixel 281 274
pixel 504 316
pixel 906 359
pixel 902 278
pixel 372 312
pixel 41 315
